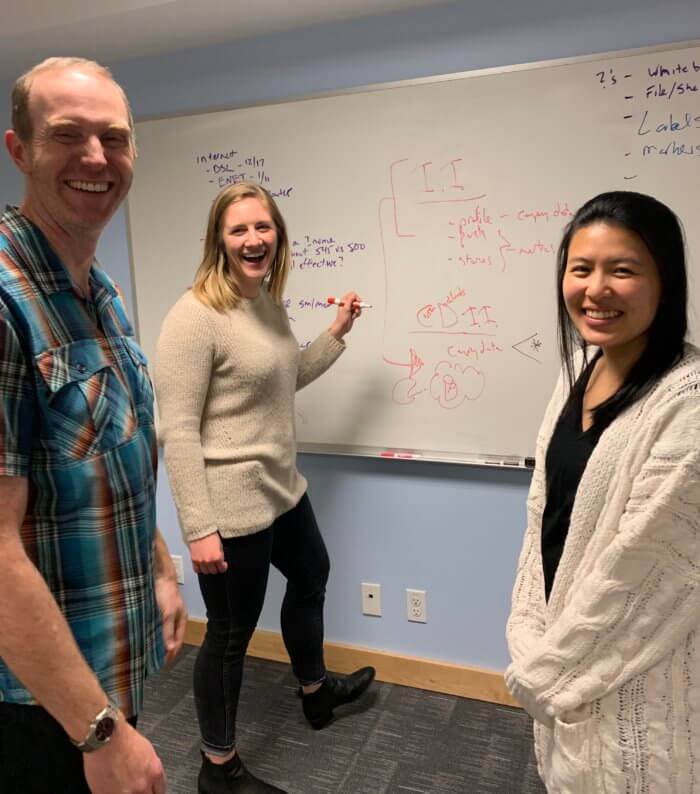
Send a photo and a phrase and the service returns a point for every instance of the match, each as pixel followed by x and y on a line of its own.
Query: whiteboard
pixel 442 203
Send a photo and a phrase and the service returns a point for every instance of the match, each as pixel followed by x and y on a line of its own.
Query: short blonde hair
pixel 215 283
pixel 21 117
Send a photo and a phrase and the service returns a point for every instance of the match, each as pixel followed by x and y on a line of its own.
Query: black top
pixel 568 453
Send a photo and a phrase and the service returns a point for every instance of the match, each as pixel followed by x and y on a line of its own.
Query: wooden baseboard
pixel 435 676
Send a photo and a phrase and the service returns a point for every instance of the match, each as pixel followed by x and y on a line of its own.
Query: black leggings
pixel 234 599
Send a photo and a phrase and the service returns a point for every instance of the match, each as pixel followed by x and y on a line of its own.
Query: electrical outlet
pixel 179 570
pixel 416 606
pixel 371 599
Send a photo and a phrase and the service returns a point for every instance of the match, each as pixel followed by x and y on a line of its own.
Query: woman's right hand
pixel 208 554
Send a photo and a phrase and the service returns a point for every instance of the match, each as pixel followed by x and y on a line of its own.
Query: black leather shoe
pixel 318 706
pixel 231 778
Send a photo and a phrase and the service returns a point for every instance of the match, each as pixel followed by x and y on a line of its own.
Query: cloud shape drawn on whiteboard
pixel 452 384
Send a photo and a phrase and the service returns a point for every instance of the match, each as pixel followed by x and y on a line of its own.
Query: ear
pixel 18 151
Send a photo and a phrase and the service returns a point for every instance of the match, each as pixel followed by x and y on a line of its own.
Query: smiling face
pixel 249 237
pixel 79 161
pixel 611 288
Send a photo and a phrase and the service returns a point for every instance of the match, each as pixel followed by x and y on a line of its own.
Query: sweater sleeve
pixel 318 357
pixel 183 364
pixel 642 598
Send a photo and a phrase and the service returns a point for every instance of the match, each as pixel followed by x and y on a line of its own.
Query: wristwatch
pixel 101 729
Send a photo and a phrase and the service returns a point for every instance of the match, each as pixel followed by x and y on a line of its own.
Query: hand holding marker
pixel 349 309
pixel 356 304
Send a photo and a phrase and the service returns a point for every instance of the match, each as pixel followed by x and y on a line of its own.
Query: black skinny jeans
pixel 234 599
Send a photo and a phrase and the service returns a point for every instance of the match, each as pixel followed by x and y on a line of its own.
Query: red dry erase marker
pixel 357 304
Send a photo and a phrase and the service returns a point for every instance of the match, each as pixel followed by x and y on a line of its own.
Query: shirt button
pixel 80 367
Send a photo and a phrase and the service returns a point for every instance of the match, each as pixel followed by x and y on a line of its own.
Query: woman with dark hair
pixel 603 631
pixel 227 367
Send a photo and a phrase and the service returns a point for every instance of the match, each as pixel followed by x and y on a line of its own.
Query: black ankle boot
pixel 231 777
pixel 318 706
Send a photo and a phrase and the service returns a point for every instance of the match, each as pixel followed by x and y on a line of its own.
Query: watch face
pixel 104 729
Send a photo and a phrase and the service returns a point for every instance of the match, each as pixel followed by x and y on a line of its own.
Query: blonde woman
pixel 226 370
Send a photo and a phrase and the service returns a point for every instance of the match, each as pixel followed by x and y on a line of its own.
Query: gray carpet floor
pixel 395 740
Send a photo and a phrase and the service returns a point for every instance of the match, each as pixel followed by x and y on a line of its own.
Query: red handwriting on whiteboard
pixel 470 227
pixel 445 176
pixel 452 384
pixel 535 248
pixel 504 249
pixel 405 391
pixel 441 315
pixel 472 259
pixel 480 315
pixel 414 364
pixel 539 215
pixel 474 351
pixel 427 183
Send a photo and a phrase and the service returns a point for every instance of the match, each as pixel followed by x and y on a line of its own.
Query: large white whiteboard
pixel 442 202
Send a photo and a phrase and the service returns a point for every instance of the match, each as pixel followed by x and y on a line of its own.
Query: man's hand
pixel 172 607
pixel 173 613
pixel 127 765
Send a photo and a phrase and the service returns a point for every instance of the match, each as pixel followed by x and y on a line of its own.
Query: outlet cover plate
pixel 371 599
pixel 416 606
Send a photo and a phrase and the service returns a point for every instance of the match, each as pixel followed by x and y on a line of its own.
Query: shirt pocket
pixel 89 409
pixel 143 387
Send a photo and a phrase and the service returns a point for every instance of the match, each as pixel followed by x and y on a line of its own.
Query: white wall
pixel 451 530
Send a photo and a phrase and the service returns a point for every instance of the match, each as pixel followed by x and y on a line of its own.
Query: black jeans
pixel 36 755
pixel 293 544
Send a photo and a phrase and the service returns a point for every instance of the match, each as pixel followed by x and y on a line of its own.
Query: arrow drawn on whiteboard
pixel 414 365
pixel 405 391
pixel 529 347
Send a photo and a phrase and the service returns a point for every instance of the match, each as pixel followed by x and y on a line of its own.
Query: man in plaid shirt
pixel 89 606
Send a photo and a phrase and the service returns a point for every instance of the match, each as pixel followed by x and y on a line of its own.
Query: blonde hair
pixel 215 283
pixel 21 117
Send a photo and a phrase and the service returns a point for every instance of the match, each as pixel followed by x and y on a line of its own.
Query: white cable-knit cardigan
pixel 610 666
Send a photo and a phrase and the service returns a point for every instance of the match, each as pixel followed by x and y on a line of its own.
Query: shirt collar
pixel 41 260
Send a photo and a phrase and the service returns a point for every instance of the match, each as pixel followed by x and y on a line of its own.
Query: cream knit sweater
pixel 225 385
pixel 610 667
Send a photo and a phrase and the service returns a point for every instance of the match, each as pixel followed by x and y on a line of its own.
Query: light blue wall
pixel 453 531
pixel 10 178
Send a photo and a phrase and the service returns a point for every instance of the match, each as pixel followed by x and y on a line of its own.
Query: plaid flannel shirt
pixel 76 419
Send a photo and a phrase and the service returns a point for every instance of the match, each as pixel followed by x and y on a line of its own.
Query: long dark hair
pixel 661 231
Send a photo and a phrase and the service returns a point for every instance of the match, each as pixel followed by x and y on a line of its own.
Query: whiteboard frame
pixel 395 453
